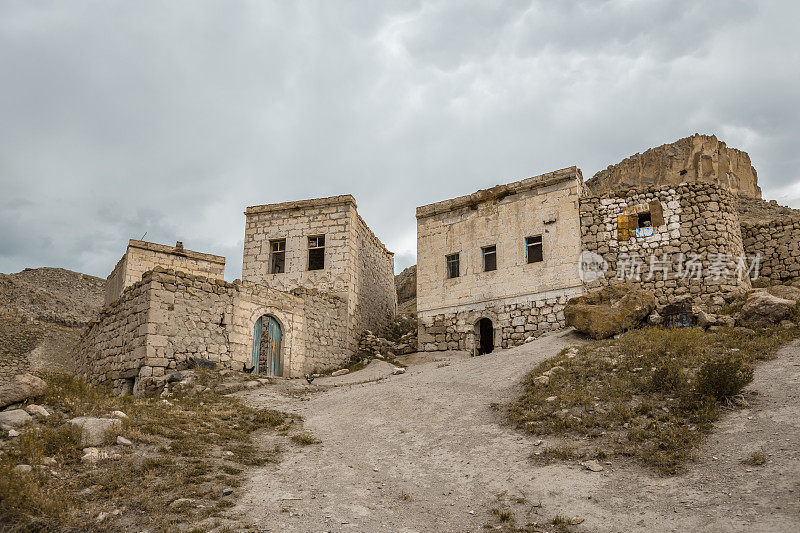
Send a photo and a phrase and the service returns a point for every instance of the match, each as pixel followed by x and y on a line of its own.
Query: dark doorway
pixel 485 336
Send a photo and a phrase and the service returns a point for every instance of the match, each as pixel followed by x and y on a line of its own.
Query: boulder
pixel 763 309
pixel 37 410
pixel 786 292
pixel 610 311
pixel 340 372
pixel 705 320
pixel 95 430
pixel 20 388
pixel 15 418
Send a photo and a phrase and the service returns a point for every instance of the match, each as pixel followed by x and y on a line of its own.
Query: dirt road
pixel 425 451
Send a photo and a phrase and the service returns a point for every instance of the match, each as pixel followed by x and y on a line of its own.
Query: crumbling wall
pixel 777 243
pixel 695 222
pixel 113 346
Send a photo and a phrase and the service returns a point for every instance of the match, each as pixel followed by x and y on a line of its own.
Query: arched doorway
pixel 485 332
pixel 267 346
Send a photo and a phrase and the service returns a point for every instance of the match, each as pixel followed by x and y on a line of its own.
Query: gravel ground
pixel 425 451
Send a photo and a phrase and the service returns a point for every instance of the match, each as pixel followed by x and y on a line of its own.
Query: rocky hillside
pixel 699 158
pixel 406 284
pixel 53 295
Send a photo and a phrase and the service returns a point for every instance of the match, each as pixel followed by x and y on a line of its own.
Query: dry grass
pixel 189 447
pixel 651 395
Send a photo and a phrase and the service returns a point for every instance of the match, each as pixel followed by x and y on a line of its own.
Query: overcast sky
pixel 120 118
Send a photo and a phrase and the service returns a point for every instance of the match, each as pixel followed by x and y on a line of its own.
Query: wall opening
pixel 485 336
pixel 267 335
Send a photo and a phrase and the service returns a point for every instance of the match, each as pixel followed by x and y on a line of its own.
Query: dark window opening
pixel 452 266
pixel 316 252
pixel 683 172
pixel 645 220
pixel 489 258
pixel 533 247
pixel 277 260
pixel 485 336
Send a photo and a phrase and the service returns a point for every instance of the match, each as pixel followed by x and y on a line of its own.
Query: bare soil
pixel 426 451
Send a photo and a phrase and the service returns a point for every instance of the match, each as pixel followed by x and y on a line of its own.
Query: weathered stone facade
pixel 699 221
pixel 141 256
pixel 777 243
pixel 169 316
pixel 357 266
pixel 521 297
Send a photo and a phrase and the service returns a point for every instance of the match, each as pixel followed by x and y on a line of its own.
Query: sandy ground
pixel 424 451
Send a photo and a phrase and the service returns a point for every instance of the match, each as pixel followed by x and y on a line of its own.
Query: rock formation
pixel 699 158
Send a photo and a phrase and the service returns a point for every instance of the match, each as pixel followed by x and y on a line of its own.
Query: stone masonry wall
pixel 698 219
pixel 778 245
pixel 326 335
pixel 375 294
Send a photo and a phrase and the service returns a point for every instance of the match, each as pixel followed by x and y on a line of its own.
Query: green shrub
pixel 724 377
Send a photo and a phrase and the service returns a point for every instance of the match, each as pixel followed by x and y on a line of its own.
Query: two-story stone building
pixel 497 266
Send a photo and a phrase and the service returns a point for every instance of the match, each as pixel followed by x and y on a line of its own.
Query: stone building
pixel 497 266
pixel 314 277
pixel 141 256
pixel 322 244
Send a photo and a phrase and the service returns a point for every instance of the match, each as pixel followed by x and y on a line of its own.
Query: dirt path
pixel 424 451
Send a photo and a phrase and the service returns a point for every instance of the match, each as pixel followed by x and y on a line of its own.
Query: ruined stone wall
pixel 170 316
pixel 698 219
pixel 141 257
pixel 778 245
pixel 522 299
pixel 374 293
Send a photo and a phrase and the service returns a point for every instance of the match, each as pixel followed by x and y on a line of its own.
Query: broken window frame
pixel 534 249
pixel 633 218
pixel 277 256
pixel 316 252
pixel 489 255
pixel 452 265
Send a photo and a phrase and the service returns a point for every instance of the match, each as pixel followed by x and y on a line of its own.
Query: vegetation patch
pixel 650 395
pixel 187 455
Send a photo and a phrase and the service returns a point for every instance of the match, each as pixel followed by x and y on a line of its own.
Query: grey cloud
pixel 121 118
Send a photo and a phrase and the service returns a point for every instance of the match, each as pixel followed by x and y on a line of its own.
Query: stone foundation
pixel 514 321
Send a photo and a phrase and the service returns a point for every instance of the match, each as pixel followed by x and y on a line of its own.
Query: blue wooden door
pixel 267 346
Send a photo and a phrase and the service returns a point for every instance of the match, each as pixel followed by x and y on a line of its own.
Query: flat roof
pixel 174 250
pixel 499 191
pixel 302 204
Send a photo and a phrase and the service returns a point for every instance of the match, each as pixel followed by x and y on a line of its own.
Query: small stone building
pixel 314 277
pixel 141 256
pixel 497 266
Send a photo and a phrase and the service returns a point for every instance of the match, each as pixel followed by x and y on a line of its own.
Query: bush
pixel 724 377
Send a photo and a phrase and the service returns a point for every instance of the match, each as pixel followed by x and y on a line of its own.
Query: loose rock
pixel 20 388
pixel 95 430
pixel 592 465
pixel 15 418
